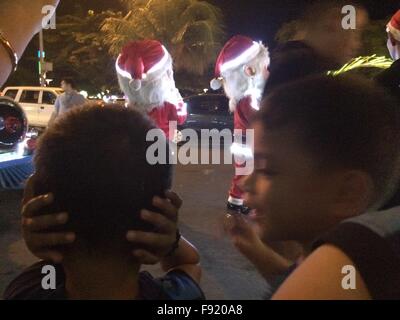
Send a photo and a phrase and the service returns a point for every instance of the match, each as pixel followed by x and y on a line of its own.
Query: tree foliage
pixel 85 43
pixel 374 37
pixel 77 50
pixel 191 30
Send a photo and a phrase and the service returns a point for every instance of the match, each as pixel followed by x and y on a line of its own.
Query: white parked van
pixel 37 102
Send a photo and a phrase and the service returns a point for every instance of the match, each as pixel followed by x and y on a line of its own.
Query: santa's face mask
pixel 394 49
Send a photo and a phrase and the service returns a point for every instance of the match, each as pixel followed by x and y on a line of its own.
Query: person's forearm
pixel 186 254
pixel 5 68
pixel 20 21
pixel 267 262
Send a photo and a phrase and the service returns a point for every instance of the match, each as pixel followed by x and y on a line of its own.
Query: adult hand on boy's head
pixel 160 243
pixel 42 243
pixel 34 226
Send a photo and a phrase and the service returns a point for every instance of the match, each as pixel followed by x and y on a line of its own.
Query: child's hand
pixel 38 241
pixel 246 239
pixel 41 242
pixel 159 243
pixel 243 235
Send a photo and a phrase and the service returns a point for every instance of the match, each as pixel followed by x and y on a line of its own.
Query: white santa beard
pixel 152 94
pixel 238 85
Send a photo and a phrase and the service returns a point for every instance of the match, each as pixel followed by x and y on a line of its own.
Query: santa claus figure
pixel 146 77
pixel 393 29
pixel 242 70
pixel 390 78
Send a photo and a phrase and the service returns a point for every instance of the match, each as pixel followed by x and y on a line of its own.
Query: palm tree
pixel 191 30
pixel 83 55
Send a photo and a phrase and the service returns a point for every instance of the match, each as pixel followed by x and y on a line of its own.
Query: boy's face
pixel 292 199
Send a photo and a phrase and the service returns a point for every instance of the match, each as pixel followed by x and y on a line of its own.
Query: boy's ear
pixel 354 194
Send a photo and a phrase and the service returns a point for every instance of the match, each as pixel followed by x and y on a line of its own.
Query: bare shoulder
pixel 328 273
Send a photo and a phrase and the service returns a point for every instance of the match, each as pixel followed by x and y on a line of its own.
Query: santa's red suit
pixel 241 69
pixel 166 113
pixel 242 116
pixel 145 75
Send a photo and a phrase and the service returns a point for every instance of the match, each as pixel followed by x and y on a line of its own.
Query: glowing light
pixel 254 103
pixel 255 97
pixel 84 93
pixel 244 57
pixel 363 62
pixel 21 148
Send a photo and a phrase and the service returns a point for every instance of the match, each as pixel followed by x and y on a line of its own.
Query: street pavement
pixel 226 274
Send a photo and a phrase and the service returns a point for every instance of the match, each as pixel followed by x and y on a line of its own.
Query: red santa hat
pixel 394 26
pixel 140 60
pixel 237 51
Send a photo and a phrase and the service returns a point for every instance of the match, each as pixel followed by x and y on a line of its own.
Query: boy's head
pixel 94 162
pixel 325 149
pixel 67 84
pixel 325 33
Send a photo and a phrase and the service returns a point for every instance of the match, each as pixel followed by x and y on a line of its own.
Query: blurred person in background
pixel 67 100
pixel 321 45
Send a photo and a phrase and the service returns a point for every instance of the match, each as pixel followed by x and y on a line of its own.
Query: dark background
pixel 262 19
pixel 258 19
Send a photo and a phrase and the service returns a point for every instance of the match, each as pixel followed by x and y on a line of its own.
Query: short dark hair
pixel 69 81
pixel 93 159
pixel 345 122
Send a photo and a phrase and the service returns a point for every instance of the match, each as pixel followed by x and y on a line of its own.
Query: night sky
pixel 259 19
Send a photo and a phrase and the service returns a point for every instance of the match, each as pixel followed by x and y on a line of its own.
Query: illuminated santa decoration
pixel 393 29
pixel 242 70
pixel 146 77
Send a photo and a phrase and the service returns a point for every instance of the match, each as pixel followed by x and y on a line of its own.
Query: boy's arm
pixel 185 258
pixel 267 262
pixel 244 237
pixel 320 277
